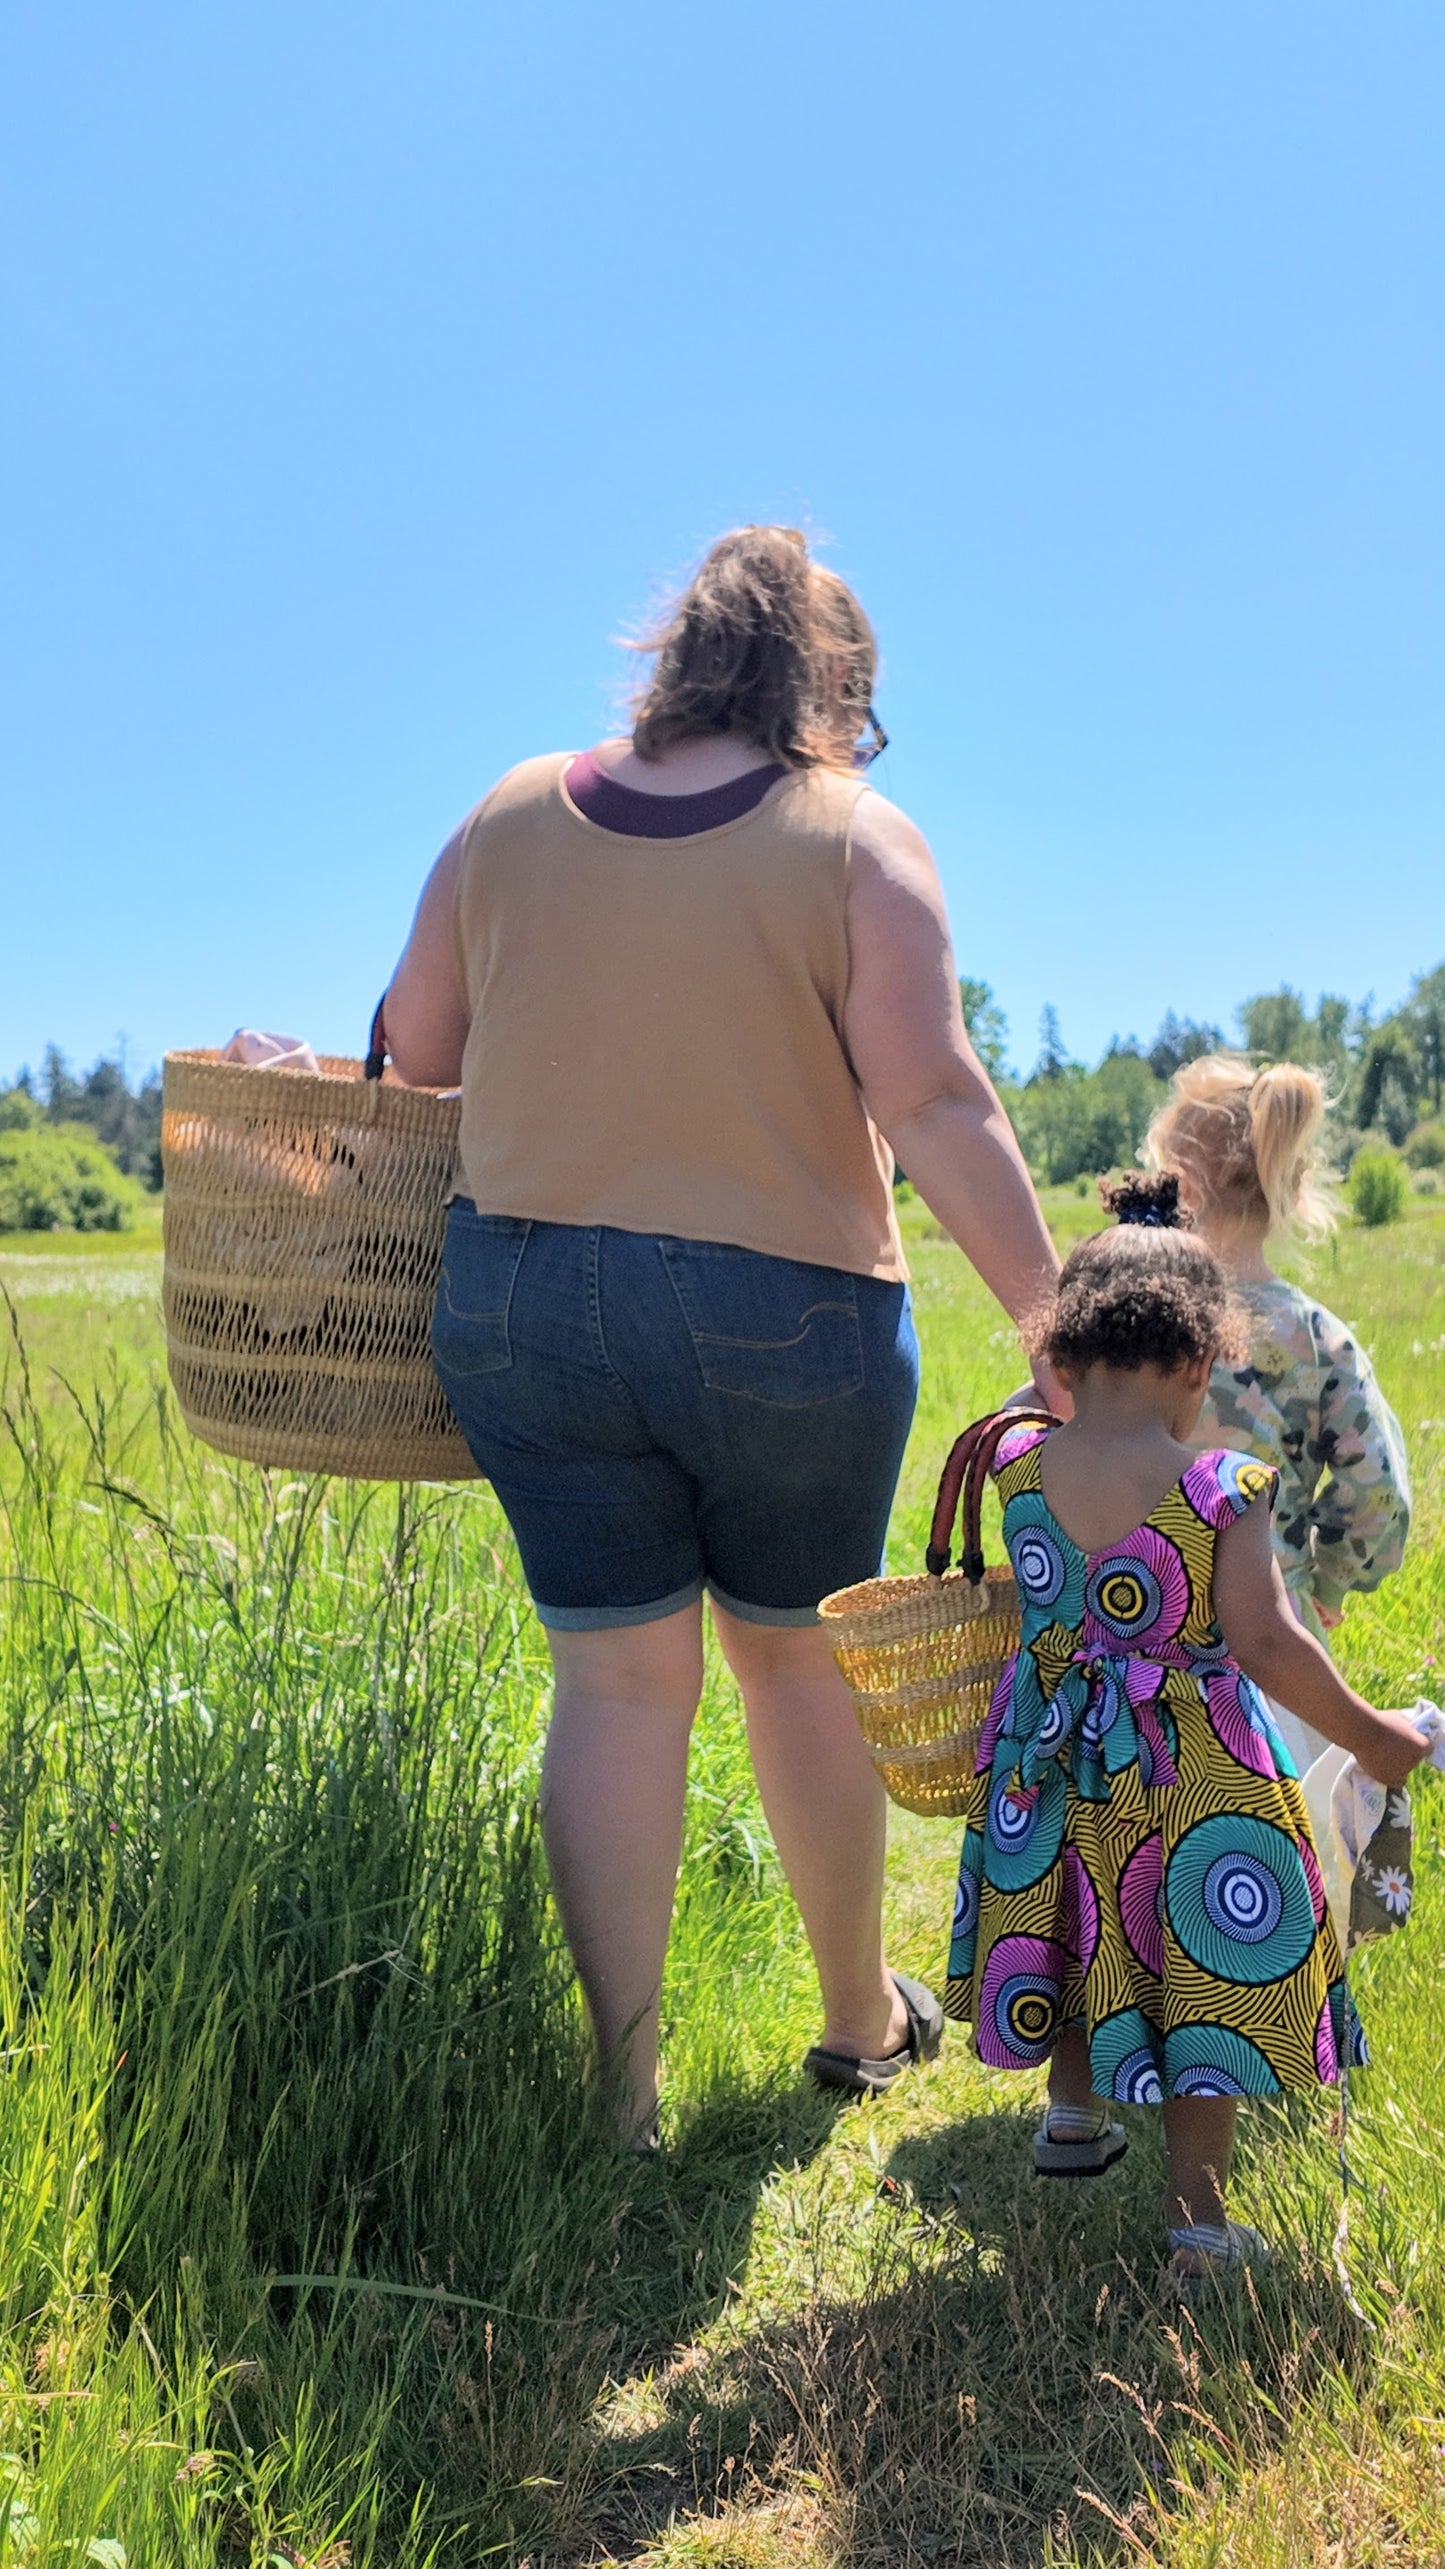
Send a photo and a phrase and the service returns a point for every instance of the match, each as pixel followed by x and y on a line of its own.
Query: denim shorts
pixel 659 1416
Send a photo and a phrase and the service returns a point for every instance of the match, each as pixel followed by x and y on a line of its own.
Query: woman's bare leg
pixel 828 1814
pixel 614 1781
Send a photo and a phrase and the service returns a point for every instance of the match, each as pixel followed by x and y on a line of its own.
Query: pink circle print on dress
pixel 1141 1886
pixel 1327 2058
pixel 1238 1719
pixel 1313 1877
pixel 1138 1594
pixel 994 1719
pixel 1019 1999
pixel 1079 1921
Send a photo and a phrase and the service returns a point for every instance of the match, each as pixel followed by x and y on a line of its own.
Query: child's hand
pixel 1262 1631
pixel 1332 1617
pixel 1391 1747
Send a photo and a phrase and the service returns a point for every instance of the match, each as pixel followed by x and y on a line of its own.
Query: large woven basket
pixel 303 1236
pixel 923 1655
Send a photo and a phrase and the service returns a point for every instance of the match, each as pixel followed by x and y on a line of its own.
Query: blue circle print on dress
pixel 1024 1836
pixel 1238 1899
pixel 1122 2059
pixel 1212 2060
pixel 1048 1570
pixel 1018 2001
pixel 965 1904
pixel 1241 1478
pixel 1124 1596
pixel 1055 1727
pixel 1104 1707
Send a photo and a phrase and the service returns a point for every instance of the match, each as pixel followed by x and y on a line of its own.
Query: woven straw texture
pixel 923 1657
pixel 303 1236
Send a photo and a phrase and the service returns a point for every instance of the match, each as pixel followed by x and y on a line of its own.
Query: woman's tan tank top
pixel 656 1025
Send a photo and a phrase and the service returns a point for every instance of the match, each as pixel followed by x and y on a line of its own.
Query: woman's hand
pixel 1044 1392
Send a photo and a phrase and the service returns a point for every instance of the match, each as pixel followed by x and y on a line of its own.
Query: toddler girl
pixel 1303 1396
pixel 1139 1901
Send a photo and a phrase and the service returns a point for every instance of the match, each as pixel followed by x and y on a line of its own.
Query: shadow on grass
pixel 1004 2389
pixel 493 2410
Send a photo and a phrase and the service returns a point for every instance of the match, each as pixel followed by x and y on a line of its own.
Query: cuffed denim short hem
pixel 658 1415
pixel 617 1618
pixel 786 1618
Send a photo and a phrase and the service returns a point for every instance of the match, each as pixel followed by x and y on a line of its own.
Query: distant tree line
pixel 126 1120
pixel 1386 1074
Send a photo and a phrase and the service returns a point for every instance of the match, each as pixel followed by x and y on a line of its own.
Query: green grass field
pixel 310 2250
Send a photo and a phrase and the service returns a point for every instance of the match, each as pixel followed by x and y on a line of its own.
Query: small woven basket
pixel 304 1217
pixel 923 1655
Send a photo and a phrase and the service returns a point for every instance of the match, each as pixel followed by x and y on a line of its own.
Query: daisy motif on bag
pixel 1393 1887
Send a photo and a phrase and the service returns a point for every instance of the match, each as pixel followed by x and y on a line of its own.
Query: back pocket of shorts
pixel 767 1329
pixel 471 1332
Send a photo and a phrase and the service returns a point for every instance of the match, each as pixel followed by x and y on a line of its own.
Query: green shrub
pixel 1427 1181
pixel 1425 1148
pixel 58 1179
pixel 1379 1188
pixel 18 1111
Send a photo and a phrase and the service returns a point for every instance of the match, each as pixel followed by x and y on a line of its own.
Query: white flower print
pixel 1393 1885
pixel 1397 1811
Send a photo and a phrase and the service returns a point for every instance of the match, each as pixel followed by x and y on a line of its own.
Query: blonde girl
pixel 1246 1147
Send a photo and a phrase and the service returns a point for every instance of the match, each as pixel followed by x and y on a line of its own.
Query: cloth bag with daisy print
pixel 1364 1838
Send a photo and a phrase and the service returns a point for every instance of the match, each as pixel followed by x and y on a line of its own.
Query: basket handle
pixel 964 1475
pixel 375 1062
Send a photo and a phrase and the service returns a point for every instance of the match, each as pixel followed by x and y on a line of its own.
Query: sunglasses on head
pixel 867 750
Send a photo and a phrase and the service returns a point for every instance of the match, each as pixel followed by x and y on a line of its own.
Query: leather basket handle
pixel 964 1475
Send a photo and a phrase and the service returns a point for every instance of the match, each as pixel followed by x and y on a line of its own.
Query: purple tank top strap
pixel 620 808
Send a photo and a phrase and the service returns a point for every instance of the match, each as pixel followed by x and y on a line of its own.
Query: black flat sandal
pixel 860 2077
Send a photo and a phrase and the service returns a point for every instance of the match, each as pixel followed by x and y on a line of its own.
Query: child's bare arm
pixel 1276 1651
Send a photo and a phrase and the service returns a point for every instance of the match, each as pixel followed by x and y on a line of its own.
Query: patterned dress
pixel 1137 1859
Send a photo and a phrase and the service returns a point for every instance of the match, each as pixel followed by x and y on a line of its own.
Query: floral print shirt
pixel 1308 1402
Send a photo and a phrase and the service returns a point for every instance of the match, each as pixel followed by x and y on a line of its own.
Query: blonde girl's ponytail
pixel 1248 1141
pixel 1287 1109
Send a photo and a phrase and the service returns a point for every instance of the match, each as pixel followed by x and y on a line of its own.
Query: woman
pixel 697 987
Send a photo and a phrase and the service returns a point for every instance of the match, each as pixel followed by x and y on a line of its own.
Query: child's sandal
pixel 1220 2248
pixel 1065 2146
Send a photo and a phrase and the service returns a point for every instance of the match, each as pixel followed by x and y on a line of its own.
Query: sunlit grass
pixel 310 2245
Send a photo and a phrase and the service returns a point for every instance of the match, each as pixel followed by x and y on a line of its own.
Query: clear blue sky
pixel 369 365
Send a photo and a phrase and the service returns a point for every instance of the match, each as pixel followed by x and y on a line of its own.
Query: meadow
pixel 312 2249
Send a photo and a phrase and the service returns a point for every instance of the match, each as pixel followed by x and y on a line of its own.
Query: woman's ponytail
pixel 764 645
pixel 1248 1141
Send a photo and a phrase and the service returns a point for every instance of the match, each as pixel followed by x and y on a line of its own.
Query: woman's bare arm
pixel 1274 1649
pixel 427 1016
pixel 922 1082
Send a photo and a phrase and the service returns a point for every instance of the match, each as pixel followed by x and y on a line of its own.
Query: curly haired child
pixel 1139 1902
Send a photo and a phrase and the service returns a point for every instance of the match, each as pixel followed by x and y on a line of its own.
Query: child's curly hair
pixel 1146 1292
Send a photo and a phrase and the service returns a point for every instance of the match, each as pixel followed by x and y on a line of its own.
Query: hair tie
pixel 1150 1202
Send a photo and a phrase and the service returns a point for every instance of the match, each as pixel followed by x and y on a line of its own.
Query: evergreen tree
pixel 1180 1040
pixel 987 1025
pixel 1053 1061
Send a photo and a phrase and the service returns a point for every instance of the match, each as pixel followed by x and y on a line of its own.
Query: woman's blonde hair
pixel 1248 1141
pixel 764 643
